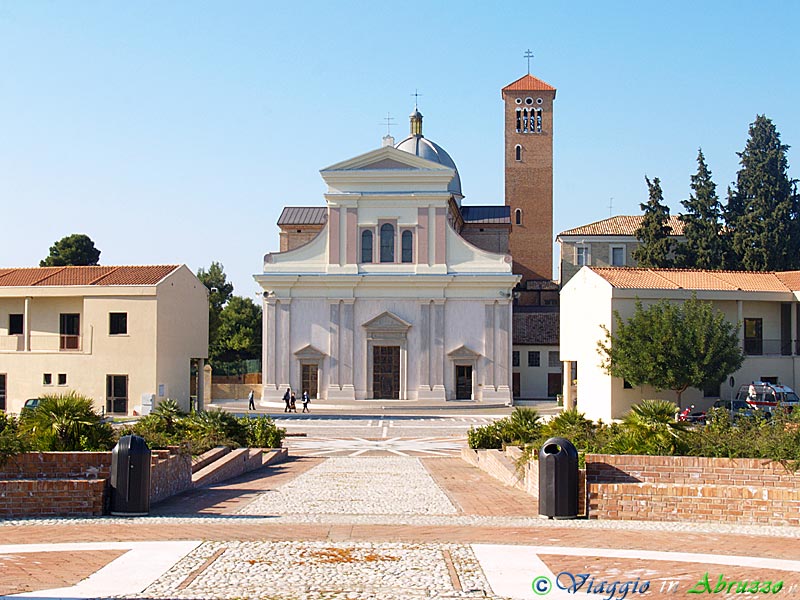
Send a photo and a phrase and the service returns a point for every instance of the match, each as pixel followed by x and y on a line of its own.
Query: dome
pixel 424 148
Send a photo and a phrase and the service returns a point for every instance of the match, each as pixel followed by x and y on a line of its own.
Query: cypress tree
pixel 704 247
pixel 654 232
pixel 762 213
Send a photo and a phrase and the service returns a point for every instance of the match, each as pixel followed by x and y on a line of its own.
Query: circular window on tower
pixel 538 101
pixel 528 100
pixel 519 100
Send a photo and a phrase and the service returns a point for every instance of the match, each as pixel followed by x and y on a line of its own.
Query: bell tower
pixel 529 175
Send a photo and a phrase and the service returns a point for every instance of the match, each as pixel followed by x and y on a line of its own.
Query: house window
pixel 70 329
pixel 387 243
pixel 533 358
pixel 117 323
pixel 553 359
pixel 518 216
pixel 711 390
pixel 117 394
pixel 62 379
pixel 366 246
pixel 407 243
pixel 15 324
pixel 515 358
pixel 581 256
pixel 517 152
pixel 617 256
pixel 47 379
pixel 753 339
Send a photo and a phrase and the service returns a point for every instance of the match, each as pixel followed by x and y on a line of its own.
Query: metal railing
pixel 769 347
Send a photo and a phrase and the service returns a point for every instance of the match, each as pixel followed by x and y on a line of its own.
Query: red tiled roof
pixel 676 279
pixel 63 276
pixel 790 279
pixel 528 83
pixel 621 225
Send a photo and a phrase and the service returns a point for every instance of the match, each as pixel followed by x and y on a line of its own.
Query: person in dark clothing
pixel 251 404
pixel 287 397
pixel 306 400
pixel 293 403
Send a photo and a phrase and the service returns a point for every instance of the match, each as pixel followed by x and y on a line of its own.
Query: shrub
pixel 521 427
pixel 11 443
pixel 65 422
pixel 208 429
pixel 650 428
pixel 486 437
pixel 263 433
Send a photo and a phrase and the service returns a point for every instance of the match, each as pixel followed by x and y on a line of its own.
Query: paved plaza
pixel 382 525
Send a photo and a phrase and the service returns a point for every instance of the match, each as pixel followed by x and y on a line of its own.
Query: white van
pixel 766 396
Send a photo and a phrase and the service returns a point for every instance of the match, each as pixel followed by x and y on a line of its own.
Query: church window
pixel 519 120
pixel 539 101
pixel 518 100
pixel 366 246
pixel 407 243
pixel 538 125
pixel 525 120
pixel 518 216
pixel 528 100
pixel 518 152
pixel 387 243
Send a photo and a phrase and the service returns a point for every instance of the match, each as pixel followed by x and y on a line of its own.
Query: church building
pixel 393 290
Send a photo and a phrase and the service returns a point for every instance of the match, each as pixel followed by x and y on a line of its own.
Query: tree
pixel 672 346
pixel 219 292
pixel 76 249
pixel 704 247
pixel 762 219
pixel 654 232
pixel 239 333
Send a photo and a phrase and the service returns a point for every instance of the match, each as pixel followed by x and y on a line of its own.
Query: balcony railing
pixel 44 342
pixel 762 347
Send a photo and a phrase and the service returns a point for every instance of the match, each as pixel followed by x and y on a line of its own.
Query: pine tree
pixel 704 247
pixel 762 213
pixel 655 250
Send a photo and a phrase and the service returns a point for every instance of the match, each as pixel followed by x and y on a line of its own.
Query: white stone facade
pixel 437 303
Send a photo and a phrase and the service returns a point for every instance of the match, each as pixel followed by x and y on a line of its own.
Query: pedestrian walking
pixel 293 403
pixel 287 398
pixel 251 402
pixel 306 400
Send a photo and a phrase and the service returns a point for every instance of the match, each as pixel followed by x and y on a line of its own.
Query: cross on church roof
pixel 416 95
pixel 529 55
pixel 389 119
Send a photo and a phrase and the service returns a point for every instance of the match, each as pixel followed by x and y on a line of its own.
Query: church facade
pixel 393 290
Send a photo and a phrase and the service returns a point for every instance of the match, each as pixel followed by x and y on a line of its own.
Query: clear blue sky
pixel 174 132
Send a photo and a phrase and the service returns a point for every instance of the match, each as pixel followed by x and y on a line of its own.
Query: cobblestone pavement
pixel 378 527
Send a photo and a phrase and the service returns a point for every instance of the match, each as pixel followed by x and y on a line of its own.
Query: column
pixel 566 386
pixel 26 325
pixel 347 344
pixel 201 376
pixel 489 352
pixel 437 349
pixel 740 319
pixel 283 343
pixel 333 336
pixel 268 353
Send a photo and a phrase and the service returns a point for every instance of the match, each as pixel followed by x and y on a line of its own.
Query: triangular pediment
pixel 309 353
pixel 463 352
pixel 386 158
pixel 387 322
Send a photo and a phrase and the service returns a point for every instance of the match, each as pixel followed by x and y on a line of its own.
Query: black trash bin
pixel 558 479
pixel 130 477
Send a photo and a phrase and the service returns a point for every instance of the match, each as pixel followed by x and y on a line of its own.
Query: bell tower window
pixel 519 120
pixel 517 152
pixel 518 216
pixel 387 243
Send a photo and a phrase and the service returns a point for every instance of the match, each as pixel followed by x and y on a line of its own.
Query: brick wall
pixel 52 497
pixel 170 474
pixel 237 462
pixel 58 465
pixel 663 488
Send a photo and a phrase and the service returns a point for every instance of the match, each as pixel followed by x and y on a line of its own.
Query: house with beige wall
pixel 607 243
pixel 764 306
pixel 115 334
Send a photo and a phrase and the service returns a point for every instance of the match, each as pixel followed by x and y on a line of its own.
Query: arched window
pixel 518 216
pixel 525 120
pixel 407 246
pixel 538 128
pixel 366 246
pixel 387 243
pixel 519 120
pixel 518 152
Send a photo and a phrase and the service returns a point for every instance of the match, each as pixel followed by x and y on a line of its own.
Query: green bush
pixel 263 433
pixel 65 422
pixel 208 429
pixel 11 443
pixel 521 427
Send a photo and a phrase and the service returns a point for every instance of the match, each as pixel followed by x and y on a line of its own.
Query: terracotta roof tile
pixel 528 83
pixel 620 225
pixel 95 275
pixel 539 328
pixel 674 279
pixel 790 279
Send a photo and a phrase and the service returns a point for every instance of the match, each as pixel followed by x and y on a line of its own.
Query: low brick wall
pixel 688 488
pixel 237 462
pixel 170 474
pixel 58 465
pixel 52 497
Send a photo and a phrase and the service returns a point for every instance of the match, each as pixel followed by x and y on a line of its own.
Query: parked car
pixel 740 408
pixel 30 404
pixel 767 396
